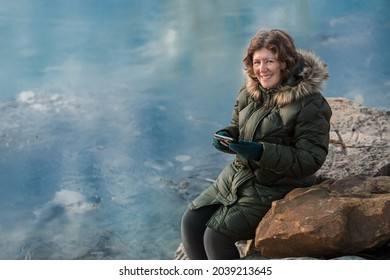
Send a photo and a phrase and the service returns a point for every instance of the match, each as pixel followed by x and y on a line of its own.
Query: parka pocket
pixel 269 194
pixel 232 178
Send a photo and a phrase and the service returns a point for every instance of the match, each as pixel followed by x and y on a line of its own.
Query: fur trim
pixel 314 74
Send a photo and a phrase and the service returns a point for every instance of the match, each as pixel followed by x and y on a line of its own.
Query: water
pixel 107 110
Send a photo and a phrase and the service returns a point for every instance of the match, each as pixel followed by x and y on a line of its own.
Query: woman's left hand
pixel 248 150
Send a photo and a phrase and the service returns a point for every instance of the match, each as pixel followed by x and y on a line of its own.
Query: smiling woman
pixel 282 123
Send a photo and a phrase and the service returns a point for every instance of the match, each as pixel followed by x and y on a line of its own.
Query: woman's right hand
pixel 218 145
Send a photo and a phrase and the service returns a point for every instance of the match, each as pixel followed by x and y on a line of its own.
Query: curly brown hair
pixel 280 43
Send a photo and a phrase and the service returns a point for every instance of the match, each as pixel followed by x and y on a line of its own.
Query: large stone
pixel 359 140
pixel 335 218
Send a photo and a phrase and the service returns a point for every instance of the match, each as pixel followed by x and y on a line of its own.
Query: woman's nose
pixel 262 67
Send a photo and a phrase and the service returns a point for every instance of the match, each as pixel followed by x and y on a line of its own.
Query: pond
pixel 108 108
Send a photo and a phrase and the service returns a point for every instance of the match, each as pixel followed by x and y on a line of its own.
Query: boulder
pixel 359 140
pixel 335 218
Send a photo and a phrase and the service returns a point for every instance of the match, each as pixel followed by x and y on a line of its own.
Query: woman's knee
pixel 190 221
pixel 194 219
pixel 219 246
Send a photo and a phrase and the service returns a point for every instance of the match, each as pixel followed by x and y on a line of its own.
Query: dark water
pixel 107 110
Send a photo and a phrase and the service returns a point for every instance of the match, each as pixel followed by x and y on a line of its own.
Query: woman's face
pixel 267 68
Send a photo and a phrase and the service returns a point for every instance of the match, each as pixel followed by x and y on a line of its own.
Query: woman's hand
pixel 248 150
pixel 217 144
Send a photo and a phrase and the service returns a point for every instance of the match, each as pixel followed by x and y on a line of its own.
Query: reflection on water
pixel 108 108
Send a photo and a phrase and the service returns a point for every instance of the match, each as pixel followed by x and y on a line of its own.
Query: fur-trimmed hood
pixel 312 76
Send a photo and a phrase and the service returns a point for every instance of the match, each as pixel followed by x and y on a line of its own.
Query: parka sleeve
pixel 310 143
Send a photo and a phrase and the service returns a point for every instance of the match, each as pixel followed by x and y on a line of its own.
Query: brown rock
pixel 334 218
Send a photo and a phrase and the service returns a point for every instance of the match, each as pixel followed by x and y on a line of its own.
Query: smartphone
pixel 224 140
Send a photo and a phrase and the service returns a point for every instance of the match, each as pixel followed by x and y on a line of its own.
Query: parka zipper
pixel 268 106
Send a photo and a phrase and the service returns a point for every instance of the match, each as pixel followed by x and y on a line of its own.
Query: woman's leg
pixel 219 246
pixel 193 226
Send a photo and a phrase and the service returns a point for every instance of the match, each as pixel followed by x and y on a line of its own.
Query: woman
pixel 280 122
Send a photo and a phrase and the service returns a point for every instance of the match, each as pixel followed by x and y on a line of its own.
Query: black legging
pixel 201 242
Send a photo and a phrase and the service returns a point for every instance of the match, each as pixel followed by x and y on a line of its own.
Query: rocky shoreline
pixel 359 148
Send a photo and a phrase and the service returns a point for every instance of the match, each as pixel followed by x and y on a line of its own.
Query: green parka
pixel 292 122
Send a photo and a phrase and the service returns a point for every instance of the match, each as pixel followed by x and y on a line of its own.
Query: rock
pixel 383 171
pixel 332 219
pixel 359 140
